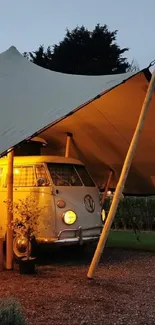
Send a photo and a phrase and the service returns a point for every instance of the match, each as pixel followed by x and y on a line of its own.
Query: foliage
pixel 10 312
pixel 136 213
pixel 26 217
pixel 134 66
pixel 83 52
pixel 26 214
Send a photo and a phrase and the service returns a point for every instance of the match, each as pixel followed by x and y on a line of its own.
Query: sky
pixel 28 24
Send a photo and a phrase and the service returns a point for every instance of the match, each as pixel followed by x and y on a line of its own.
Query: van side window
pixel 24 176
pixel 1 175
pixel 41 174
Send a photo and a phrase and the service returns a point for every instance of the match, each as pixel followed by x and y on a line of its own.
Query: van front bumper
pixel 78 238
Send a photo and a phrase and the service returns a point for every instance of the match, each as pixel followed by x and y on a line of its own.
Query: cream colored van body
pixel 60 185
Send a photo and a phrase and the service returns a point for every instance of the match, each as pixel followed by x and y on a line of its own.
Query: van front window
pixel 64 175
pixel 69 175
pixel 86 179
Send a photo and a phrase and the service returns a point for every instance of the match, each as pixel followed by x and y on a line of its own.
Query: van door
pixel 26 182
pixel 69 181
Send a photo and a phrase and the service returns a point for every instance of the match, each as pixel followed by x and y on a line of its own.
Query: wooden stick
pixel 107 187
pixel 123 177
pixel 69 136
pixel 9 237
pixel 1 255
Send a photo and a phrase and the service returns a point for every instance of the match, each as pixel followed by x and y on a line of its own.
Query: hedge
pixel 134 213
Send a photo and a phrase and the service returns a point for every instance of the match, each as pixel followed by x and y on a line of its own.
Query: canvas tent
pixel 100 111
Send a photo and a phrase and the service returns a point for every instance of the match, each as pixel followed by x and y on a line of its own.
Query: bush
pixel 136 213
pixel 10 312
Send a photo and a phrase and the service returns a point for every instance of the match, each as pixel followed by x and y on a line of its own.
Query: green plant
pixel 125 217
pixel 26 218
pixel 10 312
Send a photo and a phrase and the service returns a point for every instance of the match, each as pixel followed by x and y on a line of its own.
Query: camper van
pixel 71 211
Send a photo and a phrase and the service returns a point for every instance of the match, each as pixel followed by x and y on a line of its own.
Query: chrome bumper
pixel 77 239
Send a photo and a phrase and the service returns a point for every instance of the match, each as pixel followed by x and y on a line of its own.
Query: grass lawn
pixel 127 239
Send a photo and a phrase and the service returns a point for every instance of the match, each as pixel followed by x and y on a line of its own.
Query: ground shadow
pixel 83 255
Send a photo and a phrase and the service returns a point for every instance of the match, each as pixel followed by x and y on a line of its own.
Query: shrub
pixel 136 213
pixel 10 312
pixel 26 219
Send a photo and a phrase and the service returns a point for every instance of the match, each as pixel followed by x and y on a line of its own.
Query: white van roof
pixel 41 159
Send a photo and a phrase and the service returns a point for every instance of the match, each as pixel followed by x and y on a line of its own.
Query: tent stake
pixel 69 136
pixel 107 187
pixel 122 179
pixel 9 236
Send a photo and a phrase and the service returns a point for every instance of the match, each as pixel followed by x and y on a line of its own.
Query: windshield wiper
pixel 63 180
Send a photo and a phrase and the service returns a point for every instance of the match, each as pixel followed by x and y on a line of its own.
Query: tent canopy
pixel 100 111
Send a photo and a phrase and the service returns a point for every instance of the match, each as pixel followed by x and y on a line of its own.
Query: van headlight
pixel 69 217
pixel 103 215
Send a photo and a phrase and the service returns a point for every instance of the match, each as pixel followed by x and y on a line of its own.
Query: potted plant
pixel 25 226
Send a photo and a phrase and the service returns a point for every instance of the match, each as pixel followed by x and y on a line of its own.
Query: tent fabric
pixel 32 97
pixel 100 111
pixel 102 131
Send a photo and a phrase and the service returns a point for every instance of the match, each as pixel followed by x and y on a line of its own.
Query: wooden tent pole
pixel 69 136
pixel 9 236
pixel 107 187
pixel 1 254
pixel 123 176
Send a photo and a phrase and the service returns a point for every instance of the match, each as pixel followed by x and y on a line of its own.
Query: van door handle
pixel 55 192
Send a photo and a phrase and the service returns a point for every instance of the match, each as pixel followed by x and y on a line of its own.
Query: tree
pixel 84 52
pixel 134 66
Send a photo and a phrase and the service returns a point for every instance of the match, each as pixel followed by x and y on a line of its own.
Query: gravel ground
pixel 123 291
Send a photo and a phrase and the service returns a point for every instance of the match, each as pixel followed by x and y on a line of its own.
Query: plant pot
pixel 27 266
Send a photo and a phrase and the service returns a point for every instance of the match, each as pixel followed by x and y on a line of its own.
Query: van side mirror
pixel 41 182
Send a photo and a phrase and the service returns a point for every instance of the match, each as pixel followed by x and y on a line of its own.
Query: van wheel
pixel 20 247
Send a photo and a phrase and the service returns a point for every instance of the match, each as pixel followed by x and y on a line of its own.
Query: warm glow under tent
pixel 100 111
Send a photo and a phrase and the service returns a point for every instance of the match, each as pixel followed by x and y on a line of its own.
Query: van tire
pixel 4 247
pixel 34 247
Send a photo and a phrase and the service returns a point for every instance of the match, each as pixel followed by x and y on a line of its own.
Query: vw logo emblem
pixel 89 203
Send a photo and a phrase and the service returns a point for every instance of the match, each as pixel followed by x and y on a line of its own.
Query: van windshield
pixel 69 175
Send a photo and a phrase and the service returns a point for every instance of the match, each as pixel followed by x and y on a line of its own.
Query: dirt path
pixel 123 291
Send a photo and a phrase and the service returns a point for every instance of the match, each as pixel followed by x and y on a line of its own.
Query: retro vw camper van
pixel 71 211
